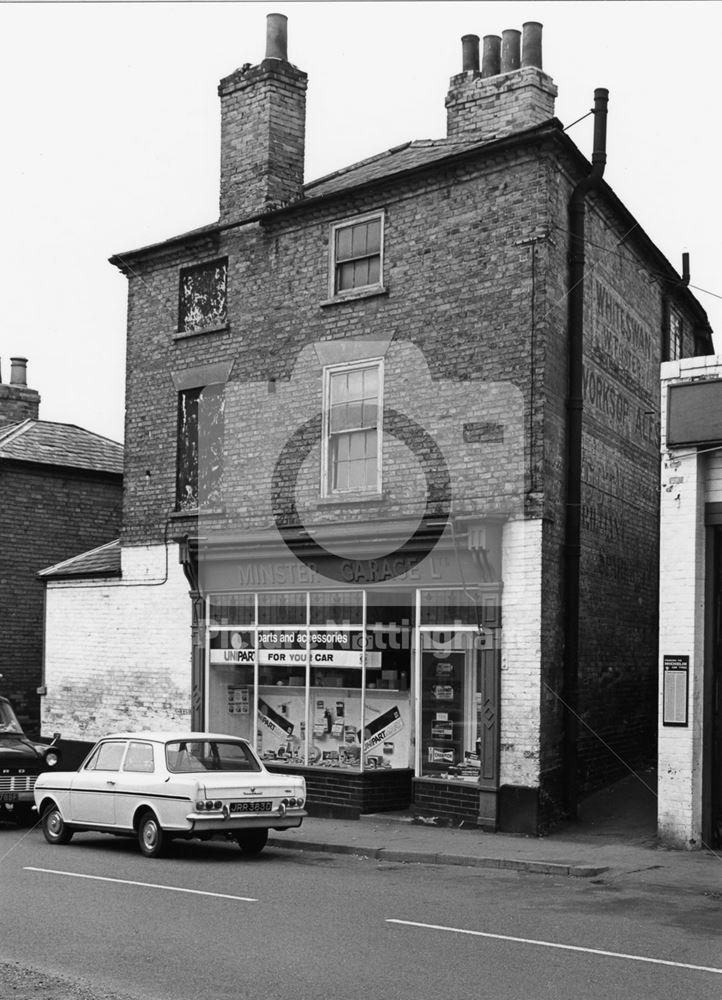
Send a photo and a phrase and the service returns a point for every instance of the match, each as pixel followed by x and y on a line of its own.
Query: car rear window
pixel 183 756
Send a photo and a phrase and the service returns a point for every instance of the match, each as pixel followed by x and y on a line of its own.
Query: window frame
pixel 139 770
pixel 675 335
pixel 328 372
pixel 203 265
pixel 91 763
pixel 333 292
pixel 196 392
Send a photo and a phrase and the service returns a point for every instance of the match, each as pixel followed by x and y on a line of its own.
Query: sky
pixel 110 134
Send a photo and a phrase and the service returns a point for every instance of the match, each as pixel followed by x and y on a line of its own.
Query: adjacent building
pixel 392 455
pixel 690 653
pixel 60 492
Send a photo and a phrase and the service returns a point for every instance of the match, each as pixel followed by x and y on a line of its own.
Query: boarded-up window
pixel 203 297
pixel 200 447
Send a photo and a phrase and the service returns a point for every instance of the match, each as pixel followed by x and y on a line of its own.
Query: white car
pixel 157 786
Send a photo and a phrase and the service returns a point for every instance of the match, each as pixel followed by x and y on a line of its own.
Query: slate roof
pixel 409 156
pixel 48 443
pixel 103 561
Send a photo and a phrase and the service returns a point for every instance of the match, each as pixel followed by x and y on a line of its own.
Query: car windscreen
pixel 183 756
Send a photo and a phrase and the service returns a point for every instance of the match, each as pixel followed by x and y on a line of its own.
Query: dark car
pixel 21 761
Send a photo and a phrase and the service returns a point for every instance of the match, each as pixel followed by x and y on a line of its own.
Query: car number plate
pixel 251 807
pixel 8 796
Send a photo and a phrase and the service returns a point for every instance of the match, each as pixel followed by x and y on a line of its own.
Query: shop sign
pixel 383 728
pixel 276 723
pixel 279 648
pixel 676 690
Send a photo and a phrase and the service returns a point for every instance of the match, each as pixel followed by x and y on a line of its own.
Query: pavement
pixel 613 838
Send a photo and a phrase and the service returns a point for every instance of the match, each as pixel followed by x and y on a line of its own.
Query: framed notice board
pixel 675 701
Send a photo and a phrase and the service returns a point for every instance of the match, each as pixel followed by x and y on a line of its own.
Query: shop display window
pixel 282 609
pixel 451 607
pixel 232 609
pixel 336 607
pixel 309 673
pixel 450 705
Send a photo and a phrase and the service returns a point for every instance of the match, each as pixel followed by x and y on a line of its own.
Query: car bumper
pixel 203 823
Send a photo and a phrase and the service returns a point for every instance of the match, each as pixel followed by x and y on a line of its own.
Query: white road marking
pixel 563 947
pixel 145 885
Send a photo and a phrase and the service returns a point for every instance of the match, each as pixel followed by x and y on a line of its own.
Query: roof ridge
pixel 80 555
pixel 15 430
pixel 77 427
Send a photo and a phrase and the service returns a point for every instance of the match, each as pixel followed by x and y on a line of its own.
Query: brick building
pixel 406 455
pixel 60 492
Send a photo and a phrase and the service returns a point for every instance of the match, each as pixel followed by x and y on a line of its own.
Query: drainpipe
pixel 577 211
pixel 667 297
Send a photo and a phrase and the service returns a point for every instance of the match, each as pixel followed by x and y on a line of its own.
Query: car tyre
pixel 152 838
pixel 55 829
pixel 252 841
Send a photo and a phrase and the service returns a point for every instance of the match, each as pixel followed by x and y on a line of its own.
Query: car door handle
pixel 109 782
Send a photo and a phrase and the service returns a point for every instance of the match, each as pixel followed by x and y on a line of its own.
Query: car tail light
pixel 208 805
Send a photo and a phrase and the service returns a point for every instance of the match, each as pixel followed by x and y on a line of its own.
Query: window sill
pixel 187 335
pixel 176 515
pixel 355 295
pixel 350 499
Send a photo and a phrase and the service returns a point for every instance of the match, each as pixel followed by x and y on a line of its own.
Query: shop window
pixel 202 297
pixel 282 608
pixel 451 724
pixel 357 254
pixel 200 447
pixel 324 691
pixel 352 422
pixel 232 609
pixel 675 336
pixel 336 607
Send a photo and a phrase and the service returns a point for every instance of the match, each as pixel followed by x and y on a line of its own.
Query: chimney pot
pixel 470 53
pixel 510 50
pixel 491 56
pixel 531 44
pixel 18 371
pixel 277 37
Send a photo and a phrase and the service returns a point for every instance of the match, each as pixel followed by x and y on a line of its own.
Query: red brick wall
pixel 476 276
pixel 48 515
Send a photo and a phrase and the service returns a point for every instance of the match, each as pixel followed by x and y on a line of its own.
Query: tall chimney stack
pixel 511 93
pixel 263 125
pixel 17 402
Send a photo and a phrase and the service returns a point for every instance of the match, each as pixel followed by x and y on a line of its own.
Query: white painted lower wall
pixel 521 653
pixel 689 480
pixel 118 652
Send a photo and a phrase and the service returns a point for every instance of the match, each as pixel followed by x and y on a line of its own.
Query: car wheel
pixel 151 836
pixel 55 829
pixel 252 841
